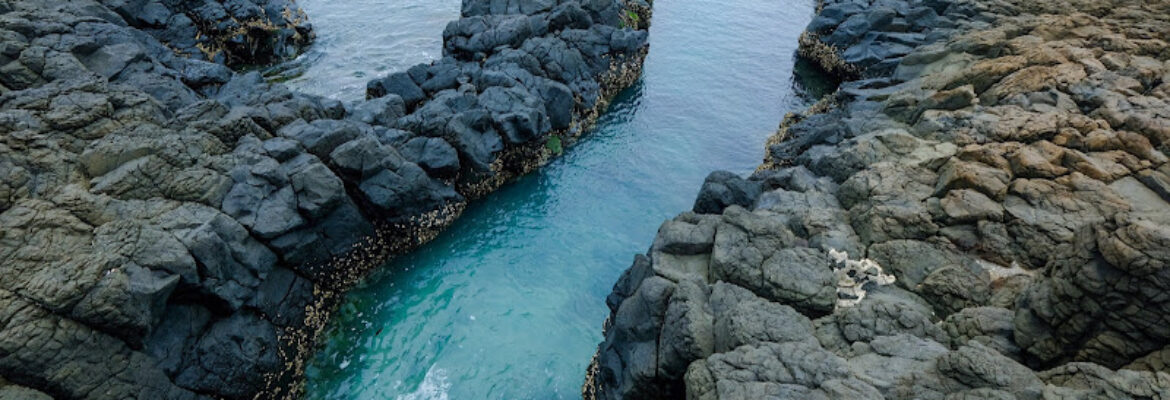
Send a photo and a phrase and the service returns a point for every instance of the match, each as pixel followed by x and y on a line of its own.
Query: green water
pixel 509 302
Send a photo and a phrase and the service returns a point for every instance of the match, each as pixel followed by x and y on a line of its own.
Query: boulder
pixel 722 189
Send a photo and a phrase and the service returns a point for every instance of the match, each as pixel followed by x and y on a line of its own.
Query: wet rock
pixel 365 156
pixel 634 364
pixel 235 32
pixel 559 103
pixel 475 139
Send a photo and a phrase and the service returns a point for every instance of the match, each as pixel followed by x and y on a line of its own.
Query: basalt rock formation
pixel 230 32
pixel 980 211
pixel 172 229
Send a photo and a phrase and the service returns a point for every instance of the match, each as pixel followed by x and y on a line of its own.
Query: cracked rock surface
pixel 171 228
pixel 1005 161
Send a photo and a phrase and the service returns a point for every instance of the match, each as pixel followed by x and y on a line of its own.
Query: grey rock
pixel 365 156
pixel 434 155
pixel 687 235
pixel 385 110
pixel 398 84
pixel 1022 218
pixel 321 137
pixel 990 326
pixel 966 205
pixel 912 261
pixel 406 191
pixel 226 352
pixel 475 139
pixel 742 318
pixel 128 302
pixel 721 189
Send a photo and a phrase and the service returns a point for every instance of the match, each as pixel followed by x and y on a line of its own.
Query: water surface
pixel 508 303
pixel 359 40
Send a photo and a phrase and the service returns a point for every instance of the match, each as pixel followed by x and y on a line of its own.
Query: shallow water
pixel 508 303
pixel 359 40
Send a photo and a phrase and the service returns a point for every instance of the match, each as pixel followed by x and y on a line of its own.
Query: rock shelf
pixel 1005 161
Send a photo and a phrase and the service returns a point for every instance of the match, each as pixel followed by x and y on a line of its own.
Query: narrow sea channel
pixel 508 303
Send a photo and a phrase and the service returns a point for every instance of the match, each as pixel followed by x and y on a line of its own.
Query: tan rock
pixel 1095 166
pixel 1039 160
pixel 1034 79
pixel 958 174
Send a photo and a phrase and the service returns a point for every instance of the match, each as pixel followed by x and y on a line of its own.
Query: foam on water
pixel 433 387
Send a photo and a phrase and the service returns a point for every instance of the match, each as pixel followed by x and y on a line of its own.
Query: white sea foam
pixel 433 387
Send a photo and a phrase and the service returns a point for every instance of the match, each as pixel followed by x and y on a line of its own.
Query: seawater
pixel 508 303
pixel 359 40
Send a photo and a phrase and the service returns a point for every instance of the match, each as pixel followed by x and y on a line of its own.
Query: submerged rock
pixel 1000 160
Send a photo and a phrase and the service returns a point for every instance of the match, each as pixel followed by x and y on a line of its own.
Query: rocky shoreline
pixel 171 228
pixel 979 212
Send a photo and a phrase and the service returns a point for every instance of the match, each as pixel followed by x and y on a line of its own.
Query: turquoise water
pixel 509 302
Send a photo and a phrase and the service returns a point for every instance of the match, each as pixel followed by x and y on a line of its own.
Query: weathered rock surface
pixel 230 32
pixel 170 228
pixel 1005 161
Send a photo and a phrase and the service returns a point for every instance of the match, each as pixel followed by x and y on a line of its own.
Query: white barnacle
pixel 853 275
pixel 838 256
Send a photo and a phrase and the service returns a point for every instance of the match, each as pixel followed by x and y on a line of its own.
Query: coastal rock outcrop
pixel 1004 161
pixel 229 32
pixel 171 228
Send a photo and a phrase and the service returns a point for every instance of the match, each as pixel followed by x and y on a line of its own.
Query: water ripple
pixel 359 40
